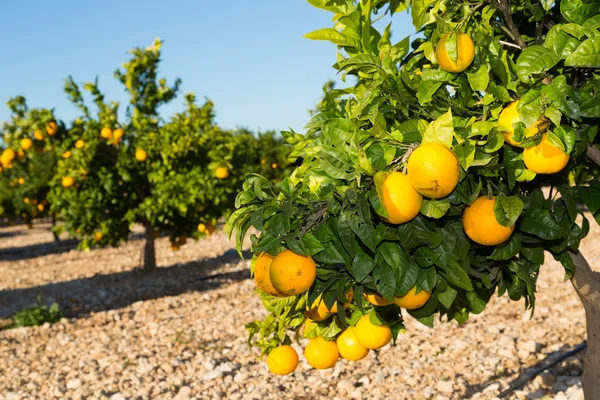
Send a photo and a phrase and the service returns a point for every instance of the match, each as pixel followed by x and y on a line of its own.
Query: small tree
pixel 30 136
pixel 420 186
pixel 176 176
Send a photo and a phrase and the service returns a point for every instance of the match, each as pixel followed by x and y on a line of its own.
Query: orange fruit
pixel 263 161
pixel 273 165
pixel 545 158
pixel 401 201
pixel 376 299
pixel 465 52
pixel 40 207
pixel 210 228
pixel 282 360
pixel 26 143
pixel 98 236
pixel 318 311
pixel 106 133
pixel 433 170
pixel 118 134
pixel 21 181
pixel 321 353
pixel 141 155
pixel 222 173
pixel 51 128
pixel 481 225
pixel 201 228
pixel 372 336
pixel 38 135
pixel 67 181
pixel 412 300
pixel 67 154
pixel 291 273
pixel 349 346
pixel 262 268
pixel 79 144
pixel 510 116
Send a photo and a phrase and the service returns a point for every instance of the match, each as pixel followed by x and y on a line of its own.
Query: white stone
pixel 210 375
pixel 73 384
pixel 184 393
pixel 445 387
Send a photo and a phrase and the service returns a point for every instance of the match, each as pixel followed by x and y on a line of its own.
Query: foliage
pixel 542 53
pixel 38 315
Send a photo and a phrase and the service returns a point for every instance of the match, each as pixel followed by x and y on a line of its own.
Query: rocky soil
pixel 179 333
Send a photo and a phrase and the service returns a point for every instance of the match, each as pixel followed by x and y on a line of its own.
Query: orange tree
pixel 175 177
pixel 28 161
pixel 420 186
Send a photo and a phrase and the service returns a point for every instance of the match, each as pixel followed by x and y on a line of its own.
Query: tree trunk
pixel 587 285
pixel 149 253
pixel 56 238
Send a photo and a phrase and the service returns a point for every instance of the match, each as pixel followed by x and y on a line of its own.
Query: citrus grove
pixel 100 174
pixel 419 187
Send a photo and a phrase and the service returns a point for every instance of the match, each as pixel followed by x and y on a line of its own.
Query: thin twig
pixel 504 7
pixel 549 362
pixel 540 31
pixel 509 44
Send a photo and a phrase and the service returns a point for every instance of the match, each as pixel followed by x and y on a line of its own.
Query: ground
pixel 179 333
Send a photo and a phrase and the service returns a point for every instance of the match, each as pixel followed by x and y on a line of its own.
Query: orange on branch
pixel 433 170
pixel 481 225
pixel 291 273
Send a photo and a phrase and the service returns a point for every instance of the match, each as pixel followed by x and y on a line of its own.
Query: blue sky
pixel 249 57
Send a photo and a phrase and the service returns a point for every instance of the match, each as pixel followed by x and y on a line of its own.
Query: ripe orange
pixel 38 135
pixel 349 346
pixel 510 116
pixel 51 128
pixel 262 267
pixel 106 133
pixel 274 165
pixel 222 173
pixel 321 354
pixel 141 155
pixel 465 50
pixel 282 360
pixel 98 236
pixel 433 170
pixel 291 273
pixel 26 200
pixel 376 299
pixel 412 300
pixel 117 135
pixel 67 154
pixel 372 336
pixel 545 158
pixel 40 207
pixel 21 181
pixel 481 225
pixel 401 201
pixel 26 143
pixel 318 311
pixel 79 144
pixel 263 161
pixel 7 157
pixel 201 228
pixel 68 181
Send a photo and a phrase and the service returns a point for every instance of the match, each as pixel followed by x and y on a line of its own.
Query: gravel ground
pixel 179 333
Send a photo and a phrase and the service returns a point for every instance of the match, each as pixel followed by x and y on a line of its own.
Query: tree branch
pixel 504 7
pixel 540 31
pixel 593 154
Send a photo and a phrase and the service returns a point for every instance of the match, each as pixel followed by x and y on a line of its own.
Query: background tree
pixel 421 185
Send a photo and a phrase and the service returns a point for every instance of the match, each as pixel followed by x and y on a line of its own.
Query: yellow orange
pixel 282 360
pixel 481 225
pixel 465 51
pixel 38 135
pixel 400 200
pixel 376 299
pixel 79 144
pixel 141 155
pixel 26 143
pixel 106 133
pixel 51 128
pixel 510 116
pixel 68 181
pixel 545 158
pixel 321 353
pixel 433 170
pixel 372 336
pixel 222 173
pixel 291 273
pixel 262 269
pixel 412 300
pixel 349 346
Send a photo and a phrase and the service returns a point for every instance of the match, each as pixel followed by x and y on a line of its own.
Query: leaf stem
pixel 504 7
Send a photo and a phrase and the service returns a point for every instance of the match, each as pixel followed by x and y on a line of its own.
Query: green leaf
pixel 592 23
pixel 560 42
pixel 506 250
pixel 409 131
pixel 579 10
pixel 531 107
pixel 440 131
pixel 587 55
pixel 393 254
pixel 591 198
pixel 534 60
pixel 562 96
pixel 333 36
pixel 446 298
pixel 385 280
pixel 407 279
pixel 457 276
pixel 533 254
pixel 508 209
pixel 362 265
pixel 480 79
pixel 419 13
pixel 435 208
pixel 465 152
pixel 426 91
pixel 541 224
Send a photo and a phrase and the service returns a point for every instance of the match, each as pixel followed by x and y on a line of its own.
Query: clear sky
pixel 249 57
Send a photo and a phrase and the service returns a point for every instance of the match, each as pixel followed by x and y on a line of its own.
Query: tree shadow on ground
pixel 4 235
pixel 37 250
pixel 563 367
pixel 80 297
